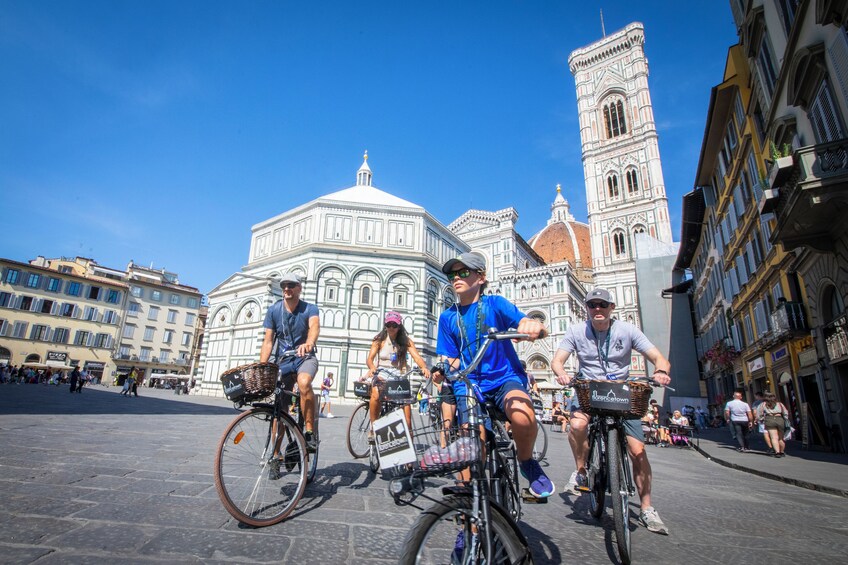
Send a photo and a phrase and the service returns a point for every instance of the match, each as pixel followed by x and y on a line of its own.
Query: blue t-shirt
pixel 295 329
pixel 461 341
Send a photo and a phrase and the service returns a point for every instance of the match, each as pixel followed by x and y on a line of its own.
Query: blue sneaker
pixel 540 485
pixel 458 548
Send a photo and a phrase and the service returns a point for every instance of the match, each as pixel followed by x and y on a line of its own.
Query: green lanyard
pixel 463 334
pixel 603 355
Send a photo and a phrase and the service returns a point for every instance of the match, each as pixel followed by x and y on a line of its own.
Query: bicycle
pixel 476 522
pixel 608 404
pixel 262 464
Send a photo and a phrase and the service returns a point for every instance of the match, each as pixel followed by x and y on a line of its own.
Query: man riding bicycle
pixel 462 329
pixel 603 346
pixel 292 324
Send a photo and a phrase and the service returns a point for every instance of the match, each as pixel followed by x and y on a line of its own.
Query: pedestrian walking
pixel 741 419
pixel 75 377
pixel 326 386
pixel 773 416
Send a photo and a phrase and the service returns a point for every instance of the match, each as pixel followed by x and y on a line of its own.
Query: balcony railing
pixel 789 317
pixel 836 338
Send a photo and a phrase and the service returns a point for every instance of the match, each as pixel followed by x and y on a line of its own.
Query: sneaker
pixel 540 485
pixel 458 547
pixel 311 442
pixel 652 521
pixel 578 483
pixel 274 469
pixel 330 415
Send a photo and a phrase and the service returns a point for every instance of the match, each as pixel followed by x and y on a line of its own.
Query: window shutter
pixel 55 308
pixel 90 340
pixel 108 341
pixel 36 305
pixel 839 59
pixel 749 249
pixel 48 334
pixel 3 325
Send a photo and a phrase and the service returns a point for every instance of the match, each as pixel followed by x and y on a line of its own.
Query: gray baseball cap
pixel 599 294
pixel 290 278
pixel 472 259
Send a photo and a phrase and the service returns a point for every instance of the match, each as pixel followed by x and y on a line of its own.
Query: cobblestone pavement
pixel 100 478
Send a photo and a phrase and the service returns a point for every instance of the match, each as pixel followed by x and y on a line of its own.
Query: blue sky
pixel 162 131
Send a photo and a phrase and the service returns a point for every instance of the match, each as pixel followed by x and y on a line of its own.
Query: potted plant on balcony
pixel 720 356
pixel 782 167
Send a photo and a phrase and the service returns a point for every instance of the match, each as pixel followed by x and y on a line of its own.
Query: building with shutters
pixel 55 315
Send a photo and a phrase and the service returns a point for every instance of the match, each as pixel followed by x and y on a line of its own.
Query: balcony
pixel 121 356
pixel 788 319
pixel 810 202
pixel 836 339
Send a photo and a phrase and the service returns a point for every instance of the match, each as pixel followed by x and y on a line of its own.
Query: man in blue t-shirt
pixel 500 377
pixel 293 325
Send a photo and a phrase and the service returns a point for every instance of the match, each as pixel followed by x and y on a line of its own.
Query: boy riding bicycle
pixel 603 348
pixel 462 329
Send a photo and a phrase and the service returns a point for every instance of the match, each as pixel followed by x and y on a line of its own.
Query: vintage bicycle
pixel 262 465
pixel 608 404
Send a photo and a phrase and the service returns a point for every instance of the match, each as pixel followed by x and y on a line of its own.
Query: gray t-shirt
pixel 599 356
pixel 738 410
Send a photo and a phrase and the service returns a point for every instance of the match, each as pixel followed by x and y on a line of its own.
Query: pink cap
pixel 394 317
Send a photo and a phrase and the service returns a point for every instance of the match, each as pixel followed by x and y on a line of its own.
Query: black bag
pixel 362 389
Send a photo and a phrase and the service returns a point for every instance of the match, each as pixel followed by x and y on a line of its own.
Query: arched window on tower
pixel 632 182
pixel 365 295
pixel 612 187
pixel 614 119
pixel 619 244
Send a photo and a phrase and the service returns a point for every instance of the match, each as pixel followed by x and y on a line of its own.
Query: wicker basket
pixel 639 393
pixel 257 380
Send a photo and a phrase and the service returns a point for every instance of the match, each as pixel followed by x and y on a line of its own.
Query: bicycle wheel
pixel 357 431
pixel 255 487
pixel 540 448
pixel 616 459
pixel 312 465
pixel 443 534
pixel 596 473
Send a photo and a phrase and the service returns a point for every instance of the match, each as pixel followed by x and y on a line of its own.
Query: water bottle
pixel 430 457
pixel 453 452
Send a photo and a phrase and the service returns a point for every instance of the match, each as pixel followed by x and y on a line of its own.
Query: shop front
pixel 813 418
pixel 95 370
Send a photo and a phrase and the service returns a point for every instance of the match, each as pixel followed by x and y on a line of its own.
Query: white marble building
pixel 362 252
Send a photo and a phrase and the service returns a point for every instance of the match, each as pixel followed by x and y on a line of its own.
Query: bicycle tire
pixel 506 490
pixel 540 447
pixel 619 495
pixel 357 432
pixel 312 466
pixel 596 475
pixel 243 465
pixel 434 535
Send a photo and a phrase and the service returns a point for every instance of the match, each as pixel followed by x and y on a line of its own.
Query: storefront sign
pixel 756 364
pixel 96 365
pixel 779 354
pixel 57 356
pixel 807 357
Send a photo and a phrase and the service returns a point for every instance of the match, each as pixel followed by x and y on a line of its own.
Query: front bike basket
pixel 625 399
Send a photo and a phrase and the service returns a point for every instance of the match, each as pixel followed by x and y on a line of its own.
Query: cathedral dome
pixel 565 239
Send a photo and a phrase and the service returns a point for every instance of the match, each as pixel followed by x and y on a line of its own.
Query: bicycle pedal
pixel 531 498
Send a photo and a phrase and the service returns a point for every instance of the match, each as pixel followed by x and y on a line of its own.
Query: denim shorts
pixel 496 395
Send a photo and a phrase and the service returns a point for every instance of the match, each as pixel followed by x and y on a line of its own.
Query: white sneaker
pixel 577 483
pixel 330 415
pixel 652 521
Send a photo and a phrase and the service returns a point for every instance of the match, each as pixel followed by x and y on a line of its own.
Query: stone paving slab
pixel 76 487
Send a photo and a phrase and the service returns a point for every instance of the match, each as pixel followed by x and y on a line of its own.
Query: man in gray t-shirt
pixel 603 347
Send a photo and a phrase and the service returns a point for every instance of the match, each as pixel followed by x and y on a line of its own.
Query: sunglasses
pixel 392 325
pixel 289 285
pixel 462 273
pixel 602 304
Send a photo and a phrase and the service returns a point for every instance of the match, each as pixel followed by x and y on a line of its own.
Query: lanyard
pixel 464 341
pixel 603 355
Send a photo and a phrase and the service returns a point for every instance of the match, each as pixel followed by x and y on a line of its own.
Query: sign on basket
pixel 610 396
pixel 393 441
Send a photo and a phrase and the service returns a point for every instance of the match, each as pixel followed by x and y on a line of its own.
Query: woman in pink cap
pixel 388 354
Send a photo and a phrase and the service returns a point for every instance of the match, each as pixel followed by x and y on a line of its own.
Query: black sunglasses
pixel 289 285
pixel 594 304
pixel 392 325
pixel 462 273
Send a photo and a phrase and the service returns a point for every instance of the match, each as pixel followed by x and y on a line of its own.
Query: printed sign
pixel 57 356
pixel 609 396
pixel 394 444
pixel 398 390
